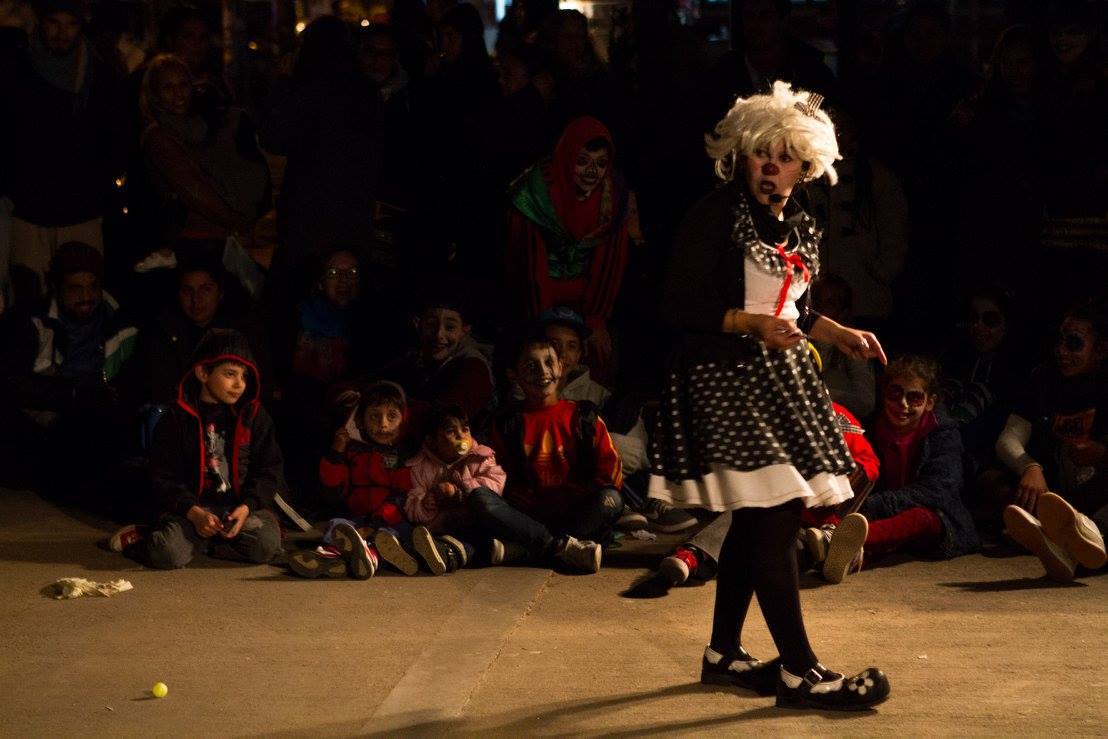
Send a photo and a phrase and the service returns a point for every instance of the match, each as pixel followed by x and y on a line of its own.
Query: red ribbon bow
pixel 792 262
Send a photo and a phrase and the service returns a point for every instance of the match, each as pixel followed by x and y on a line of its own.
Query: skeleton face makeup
pixel 537 372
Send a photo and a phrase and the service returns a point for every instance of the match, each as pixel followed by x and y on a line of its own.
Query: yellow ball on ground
pixel 160 690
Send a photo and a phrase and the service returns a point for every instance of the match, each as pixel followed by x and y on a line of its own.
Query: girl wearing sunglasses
pixel 1056 440
pixel 917 504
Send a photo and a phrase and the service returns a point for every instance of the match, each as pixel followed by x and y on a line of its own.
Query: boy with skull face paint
pixel 564 473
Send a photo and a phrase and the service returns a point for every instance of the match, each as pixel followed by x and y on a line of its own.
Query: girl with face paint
pixel 569 232
pixel 745 424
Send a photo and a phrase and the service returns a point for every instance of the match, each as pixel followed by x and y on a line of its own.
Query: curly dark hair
pixel 914 365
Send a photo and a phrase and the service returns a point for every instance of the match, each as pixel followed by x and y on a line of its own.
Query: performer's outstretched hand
pixel 859 344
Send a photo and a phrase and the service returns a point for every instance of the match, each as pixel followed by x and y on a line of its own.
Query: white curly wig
pixel 761 121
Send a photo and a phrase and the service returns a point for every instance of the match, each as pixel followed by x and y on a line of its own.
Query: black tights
pixel 759 556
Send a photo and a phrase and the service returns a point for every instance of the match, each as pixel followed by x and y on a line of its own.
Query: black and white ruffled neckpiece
pixel 802 239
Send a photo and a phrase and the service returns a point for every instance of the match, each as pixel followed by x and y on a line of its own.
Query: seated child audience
pixel 917 506
pixel 569 335
pixel 215 466
pixel 446 471
pixel 564 474
pixel 328 346
pixel 363 474
pixel 448 368
pixel 67 380
pixel 980 375
pixel 1055 441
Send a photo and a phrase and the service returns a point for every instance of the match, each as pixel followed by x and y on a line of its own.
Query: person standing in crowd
pixel 60 130
pixel 765 51
pixel 326 118
pixel 865 217
pixel 212 177
pixel 568 233
pixel 745 424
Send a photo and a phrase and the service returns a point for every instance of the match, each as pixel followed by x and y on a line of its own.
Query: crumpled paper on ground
pixel 75 587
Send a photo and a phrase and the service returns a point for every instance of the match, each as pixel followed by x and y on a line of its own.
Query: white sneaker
pixel 1026 530
pixel 845 547
pixel 156 260
pixel 581 555
pixel 1073 531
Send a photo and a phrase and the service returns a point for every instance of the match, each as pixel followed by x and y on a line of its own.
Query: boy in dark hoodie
pixel 215 465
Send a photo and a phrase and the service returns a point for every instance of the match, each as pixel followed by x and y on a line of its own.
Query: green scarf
pixel 566 257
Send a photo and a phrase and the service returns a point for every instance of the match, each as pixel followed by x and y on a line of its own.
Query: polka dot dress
pixel 752 433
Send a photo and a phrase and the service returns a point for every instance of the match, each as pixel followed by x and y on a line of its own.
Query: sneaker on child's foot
pixel 667 519
pixel 125 537
pixel 354 549
pixel 679 566
pixel 393 552
pixel 846 544
pixel 1028 532
pixel 581 555
pixel 505 552
pixel 824 689
pixel 323 561
pixel 817 541
pixel 453 552
pixel 1073 531
pixel 630 520
pixel 424 545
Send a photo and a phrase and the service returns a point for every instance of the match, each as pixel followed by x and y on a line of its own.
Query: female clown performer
pixel 745 424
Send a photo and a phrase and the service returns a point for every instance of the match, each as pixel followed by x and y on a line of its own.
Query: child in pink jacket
pixel 449 467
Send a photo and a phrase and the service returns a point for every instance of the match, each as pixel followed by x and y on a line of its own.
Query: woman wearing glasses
pixel 1056 440
pixel 918 505
pixel 745 424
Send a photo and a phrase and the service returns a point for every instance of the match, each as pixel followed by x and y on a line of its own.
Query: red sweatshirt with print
pixel 549 473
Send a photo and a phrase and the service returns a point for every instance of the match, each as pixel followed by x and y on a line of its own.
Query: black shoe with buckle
pixel 740 670
pixel 823 689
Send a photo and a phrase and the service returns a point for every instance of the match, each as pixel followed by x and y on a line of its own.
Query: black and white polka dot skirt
pixel 752 433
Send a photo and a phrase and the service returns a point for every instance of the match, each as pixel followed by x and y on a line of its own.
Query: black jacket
pixel 177 456
pixel 706 278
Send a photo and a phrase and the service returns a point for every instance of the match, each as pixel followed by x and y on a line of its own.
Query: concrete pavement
pixel 979 645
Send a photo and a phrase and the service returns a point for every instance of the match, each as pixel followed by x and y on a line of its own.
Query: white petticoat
pixel 725 489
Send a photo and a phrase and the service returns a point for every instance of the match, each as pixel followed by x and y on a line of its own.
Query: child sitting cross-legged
pixel 917 506
pixel 1056 440
pixel 215 465
pixel 449 468
pixel 564 474
pixel 364 474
